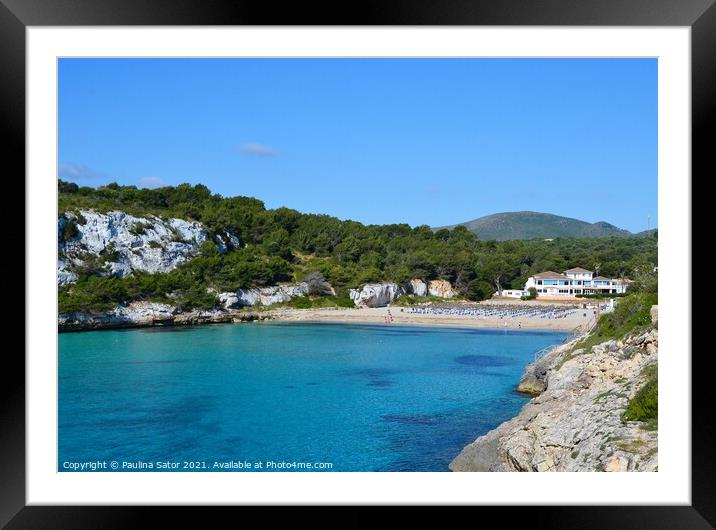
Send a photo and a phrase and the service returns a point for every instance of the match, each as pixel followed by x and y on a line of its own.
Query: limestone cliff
pixel 118 243
pixel 276 294
pixel 575 423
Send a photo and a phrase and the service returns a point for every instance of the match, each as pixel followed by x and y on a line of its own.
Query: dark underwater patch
pixel 484 360
pixel 410 419
pixel 381 383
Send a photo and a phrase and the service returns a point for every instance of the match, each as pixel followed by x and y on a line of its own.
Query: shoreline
pixel 378 316
pixel 373 316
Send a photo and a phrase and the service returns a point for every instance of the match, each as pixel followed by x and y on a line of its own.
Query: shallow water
pixel 360 397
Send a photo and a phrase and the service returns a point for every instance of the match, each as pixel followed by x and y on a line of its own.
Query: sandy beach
pixel 378 316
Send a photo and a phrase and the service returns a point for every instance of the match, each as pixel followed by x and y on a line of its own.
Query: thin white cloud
pixel 72 171
pixel 151 183
pixel 255 149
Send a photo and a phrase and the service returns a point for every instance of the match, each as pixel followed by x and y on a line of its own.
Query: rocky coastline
pixel 575 422
pixel 149 314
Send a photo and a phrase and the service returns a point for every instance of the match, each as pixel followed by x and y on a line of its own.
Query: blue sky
pixel 419 141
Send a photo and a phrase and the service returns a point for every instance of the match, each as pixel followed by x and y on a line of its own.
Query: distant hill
pixel 535 225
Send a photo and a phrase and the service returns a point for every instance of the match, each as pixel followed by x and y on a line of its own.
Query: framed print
pixel 280 260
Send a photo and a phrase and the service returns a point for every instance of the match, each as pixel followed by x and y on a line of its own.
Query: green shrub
pixel 109 254
pixel 644 406
pixel 301 302
pixel 405 300
pixel 69 230
pixel 344 301
pixel 531 294
pixel 139 228
pixel 195 298
pixel 631 312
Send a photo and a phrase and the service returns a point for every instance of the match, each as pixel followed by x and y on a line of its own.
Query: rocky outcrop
pixel 441 289
pixel 375 294
pixel 226 242
pixel 534 378
pixel 382 294
pixel 117 243
pixel 576 423
pixel 277 294
pixel 417 287
pixel 147 314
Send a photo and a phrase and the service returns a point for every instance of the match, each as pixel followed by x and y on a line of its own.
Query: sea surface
pixel 336 397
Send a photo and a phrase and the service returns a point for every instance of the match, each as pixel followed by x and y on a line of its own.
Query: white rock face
pixel 265 295
pixel 375 294
pixel 418 287
pixel 441 288
pixel 135 313
pixel 64 274
pixel 125 243
pixel 228 300
pixel 139 311
pixel 227 242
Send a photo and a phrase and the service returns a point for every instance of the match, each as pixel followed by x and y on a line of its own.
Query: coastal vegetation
pixel 282 245
pixel 644 406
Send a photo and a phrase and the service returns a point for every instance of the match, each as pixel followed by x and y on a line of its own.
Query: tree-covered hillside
pixel 538 225
pixel 285 245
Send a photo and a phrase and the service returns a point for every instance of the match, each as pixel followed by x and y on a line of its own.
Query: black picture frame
pixel 16 15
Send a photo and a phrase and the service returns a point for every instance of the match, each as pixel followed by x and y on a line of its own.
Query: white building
pixel 572 282
pixel 513 293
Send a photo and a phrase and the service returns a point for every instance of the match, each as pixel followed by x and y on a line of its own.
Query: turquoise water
pixel 360 397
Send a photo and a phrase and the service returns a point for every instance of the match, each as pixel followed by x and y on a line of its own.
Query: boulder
pixel 228 300
pixel 617 464
pixel 441 289
pixel 417 287
pixel 375 294
pixel 530 385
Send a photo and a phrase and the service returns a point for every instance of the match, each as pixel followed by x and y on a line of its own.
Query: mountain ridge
pixel 504 226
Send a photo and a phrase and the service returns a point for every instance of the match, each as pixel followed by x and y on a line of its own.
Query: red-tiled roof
pixel 576 269
pixel 551 275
